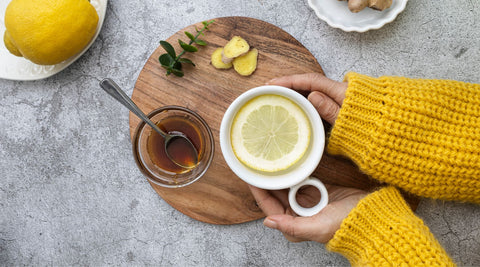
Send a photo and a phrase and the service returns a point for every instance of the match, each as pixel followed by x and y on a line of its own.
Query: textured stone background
pixel 72 195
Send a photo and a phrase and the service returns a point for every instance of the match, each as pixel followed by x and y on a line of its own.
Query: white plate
pixel 18 68
pixel 337 15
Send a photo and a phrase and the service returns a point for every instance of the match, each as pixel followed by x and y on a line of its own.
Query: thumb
pixel 297 228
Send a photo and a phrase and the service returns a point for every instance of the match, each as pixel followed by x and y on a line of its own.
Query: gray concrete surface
pixel 72 195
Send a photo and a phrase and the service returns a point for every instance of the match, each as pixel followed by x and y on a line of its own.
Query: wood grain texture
pixel 220 197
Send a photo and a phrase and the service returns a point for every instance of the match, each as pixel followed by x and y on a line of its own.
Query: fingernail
pixel 271 81
pixel 270 223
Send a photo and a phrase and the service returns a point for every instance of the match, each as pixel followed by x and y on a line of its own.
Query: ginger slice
pixel 216 59
pixel 236 47
pixel 380 4
pixel 358 5
pixel 245 65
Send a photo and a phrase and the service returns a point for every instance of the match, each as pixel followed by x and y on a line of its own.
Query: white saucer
pixel 18 68
pixel 337 15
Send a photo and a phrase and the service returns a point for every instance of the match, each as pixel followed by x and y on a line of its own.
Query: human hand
pixel 320 227
pixel 325 94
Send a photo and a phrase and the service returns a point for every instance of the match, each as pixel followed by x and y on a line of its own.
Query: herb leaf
pixel 186 60
pixel 169 48
pixel 178 73
pixel 166 60
pixel 173 62
pixel 187 47
pixel 190 36
pixel 200 42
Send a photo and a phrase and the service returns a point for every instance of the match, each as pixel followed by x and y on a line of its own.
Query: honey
pixel 179 149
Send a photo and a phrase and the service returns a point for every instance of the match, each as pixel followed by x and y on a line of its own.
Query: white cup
pixel 296 176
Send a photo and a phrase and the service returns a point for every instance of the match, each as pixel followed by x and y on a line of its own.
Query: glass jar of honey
pixel 149 146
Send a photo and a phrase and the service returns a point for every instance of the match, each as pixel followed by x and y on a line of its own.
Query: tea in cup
pixel 273 138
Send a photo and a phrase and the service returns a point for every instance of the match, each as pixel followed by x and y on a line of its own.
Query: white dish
pixel 337 15
pixel 20 69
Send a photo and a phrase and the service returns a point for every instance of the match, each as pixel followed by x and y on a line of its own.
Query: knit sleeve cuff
pixel 417 134
pixel 382 230
pixel 357 123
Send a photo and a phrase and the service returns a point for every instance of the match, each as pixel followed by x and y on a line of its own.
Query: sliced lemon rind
pixel 258 162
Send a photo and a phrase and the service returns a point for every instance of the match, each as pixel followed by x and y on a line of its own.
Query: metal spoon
pixel 179 138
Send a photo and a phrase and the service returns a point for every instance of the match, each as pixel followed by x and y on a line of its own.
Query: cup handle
pixel 315 209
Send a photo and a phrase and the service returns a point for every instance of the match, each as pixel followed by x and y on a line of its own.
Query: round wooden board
pixel 220 197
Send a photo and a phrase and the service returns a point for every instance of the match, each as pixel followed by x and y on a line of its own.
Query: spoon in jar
pixel 189 156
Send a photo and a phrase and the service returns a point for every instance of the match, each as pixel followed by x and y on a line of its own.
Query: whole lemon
pixel 48 32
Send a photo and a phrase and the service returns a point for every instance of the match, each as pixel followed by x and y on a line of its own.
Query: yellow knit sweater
pixel 420 135
pixel 383 231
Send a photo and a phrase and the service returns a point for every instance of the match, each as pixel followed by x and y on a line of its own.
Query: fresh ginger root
pixel 238 54
pixel 236 47
pixel 217 59
pixel 358 5
pixel 246 64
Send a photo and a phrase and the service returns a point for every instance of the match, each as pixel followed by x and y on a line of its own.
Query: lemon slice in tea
pixel 270 133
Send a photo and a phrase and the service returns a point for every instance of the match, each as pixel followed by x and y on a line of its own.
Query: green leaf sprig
pixel 173 62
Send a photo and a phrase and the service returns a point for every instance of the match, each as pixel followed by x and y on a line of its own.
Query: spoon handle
pixel 109 86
